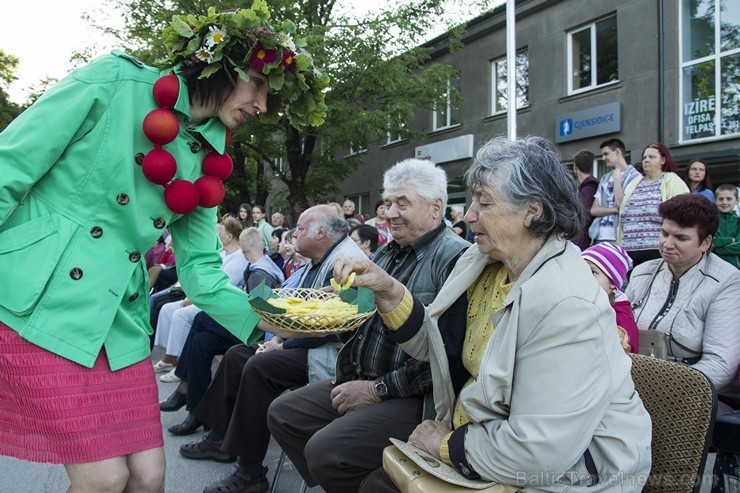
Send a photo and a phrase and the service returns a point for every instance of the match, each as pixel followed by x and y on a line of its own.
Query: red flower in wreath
pixel 261 56
pixel 288 60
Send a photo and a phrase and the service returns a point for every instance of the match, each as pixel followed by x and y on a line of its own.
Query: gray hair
pixel 422 175
pixel 336 227
pixel 529 169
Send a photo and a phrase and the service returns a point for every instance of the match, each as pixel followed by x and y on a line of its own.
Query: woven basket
pixel 314 324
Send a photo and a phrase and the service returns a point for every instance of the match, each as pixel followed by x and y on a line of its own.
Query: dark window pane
pixel 729 24
pixel 606 51
pixel 581 56
pixel 730 87
pixel 698 28
pixel 699 102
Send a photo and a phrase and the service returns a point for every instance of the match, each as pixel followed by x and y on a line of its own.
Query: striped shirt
pixel 640 219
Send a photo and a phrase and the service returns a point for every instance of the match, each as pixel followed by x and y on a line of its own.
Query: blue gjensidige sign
pixel 598 120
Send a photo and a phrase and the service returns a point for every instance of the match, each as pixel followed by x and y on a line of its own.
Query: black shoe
pixel 187 427
pixel 173 402
pixel 239 481
pixel 205 449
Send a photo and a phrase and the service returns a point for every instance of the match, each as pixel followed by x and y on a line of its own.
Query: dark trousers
pixel 245 384
pixel 333 450
pixel 207 338
pixel 378 482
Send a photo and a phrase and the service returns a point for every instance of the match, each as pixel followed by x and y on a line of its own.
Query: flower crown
pixel 244 38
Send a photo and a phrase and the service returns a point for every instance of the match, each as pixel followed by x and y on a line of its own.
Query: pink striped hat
pixel 611 259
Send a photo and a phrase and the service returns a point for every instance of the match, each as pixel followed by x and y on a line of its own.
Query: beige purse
pixel 413 471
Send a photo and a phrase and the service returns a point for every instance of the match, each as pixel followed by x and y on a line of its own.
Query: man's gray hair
pixel 529 169
pixel 422 175
pixel 335 227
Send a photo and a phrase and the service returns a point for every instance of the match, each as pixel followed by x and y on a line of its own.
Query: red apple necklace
pixel 161 127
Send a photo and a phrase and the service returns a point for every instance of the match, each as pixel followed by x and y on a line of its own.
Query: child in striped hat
pixel 609 264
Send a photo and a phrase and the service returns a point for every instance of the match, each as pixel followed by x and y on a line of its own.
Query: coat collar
pixel 212 130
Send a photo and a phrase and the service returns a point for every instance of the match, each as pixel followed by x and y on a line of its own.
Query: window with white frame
pixel 710 69
pixel 356 148
pixel 593 55
pixel 394 133
pixel 499 83
pixel 446 115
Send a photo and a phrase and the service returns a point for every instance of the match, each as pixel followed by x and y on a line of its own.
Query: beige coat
pixel 553 382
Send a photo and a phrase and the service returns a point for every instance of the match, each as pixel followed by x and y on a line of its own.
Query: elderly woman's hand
pixel 428 436
pixel 388 291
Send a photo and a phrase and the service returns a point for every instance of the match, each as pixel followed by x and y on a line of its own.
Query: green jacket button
pixel 122 198
pixel 76 273
pixel 96 232
pixel 134 257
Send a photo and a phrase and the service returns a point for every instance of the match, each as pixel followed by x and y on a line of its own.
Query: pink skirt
pixel 54 410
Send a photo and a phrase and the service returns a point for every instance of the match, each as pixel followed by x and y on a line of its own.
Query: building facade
pixel 640 70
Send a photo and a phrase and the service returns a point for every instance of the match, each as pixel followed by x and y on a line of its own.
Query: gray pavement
pixel 183 475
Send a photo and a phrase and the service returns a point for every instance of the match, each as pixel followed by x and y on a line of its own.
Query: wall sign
pixel 598 120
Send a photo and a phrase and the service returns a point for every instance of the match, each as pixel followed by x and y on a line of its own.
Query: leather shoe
pixel 173 402
pixel 239 481
pixel 205 449
pixel 187 427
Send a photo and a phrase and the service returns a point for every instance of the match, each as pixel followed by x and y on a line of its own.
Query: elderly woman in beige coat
pixel 535 391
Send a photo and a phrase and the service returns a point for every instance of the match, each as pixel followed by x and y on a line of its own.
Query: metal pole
pixel 511 68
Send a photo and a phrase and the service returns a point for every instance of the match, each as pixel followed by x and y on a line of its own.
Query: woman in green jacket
pixel 92 173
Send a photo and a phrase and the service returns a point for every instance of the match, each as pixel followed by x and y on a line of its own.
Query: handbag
pixel 413 471
pixel 654 343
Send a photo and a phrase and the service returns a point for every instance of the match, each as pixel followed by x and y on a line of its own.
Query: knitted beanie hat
pixel 611 259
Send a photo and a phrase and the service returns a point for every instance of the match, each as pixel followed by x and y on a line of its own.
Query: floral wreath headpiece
pixel 244 38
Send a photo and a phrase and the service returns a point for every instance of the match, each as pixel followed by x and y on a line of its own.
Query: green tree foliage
pixel 379 76
pixel 8 109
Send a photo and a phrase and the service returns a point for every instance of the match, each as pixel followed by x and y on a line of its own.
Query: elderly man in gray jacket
pixel 334 431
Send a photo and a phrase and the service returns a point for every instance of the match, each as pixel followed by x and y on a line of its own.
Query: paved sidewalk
pixel 183 475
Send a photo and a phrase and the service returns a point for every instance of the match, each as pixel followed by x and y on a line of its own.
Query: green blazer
pixel 77 216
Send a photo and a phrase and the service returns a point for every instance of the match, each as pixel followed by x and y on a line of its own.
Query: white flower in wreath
pixel 286 42
pixel 215 36
pixel 204 54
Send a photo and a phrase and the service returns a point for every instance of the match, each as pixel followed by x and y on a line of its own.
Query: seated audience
pixel 277 220
pixel 245 215
pixel 380 223
pixel 249 378
pixel 176 318
pixel 294 261
pixel 534 390
pixel 208 338
pixel 366 238
pixel 277 256
pixel 162 274
pixel 258 215
pixel 348 212
pixel 639 221
pixel 726 242
pixel 456 220
pixel 697 179
pixel 153 254
pixel 379 390
pixel 691 294
pixel 610 264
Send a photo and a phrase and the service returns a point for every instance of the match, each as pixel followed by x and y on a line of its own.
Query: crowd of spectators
pixel 377 383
